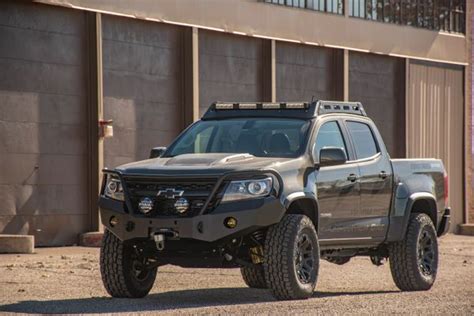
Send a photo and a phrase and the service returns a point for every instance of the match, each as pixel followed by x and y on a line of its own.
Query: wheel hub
pixel 426 253
pixel 304 261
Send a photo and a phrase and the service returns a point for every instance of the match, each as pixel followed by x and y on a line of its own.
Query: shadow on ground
pixel 159 302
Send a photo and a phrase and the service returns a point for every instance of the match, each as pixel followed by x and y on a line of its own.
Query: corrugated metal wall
pixel 379 83
pixel 143 86
pixel 435 123
pixel 43 122
pixel 230 68
pixel 304 71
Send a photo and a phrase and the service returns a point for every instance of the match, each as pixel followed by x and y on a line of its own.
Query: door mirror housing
pixel 332 156
pixel 157 152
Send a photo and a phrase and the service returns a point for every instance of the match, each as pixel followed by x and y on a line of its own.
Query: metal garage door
pixel 435 123
pixel 304 71
pixel 230 68
pixel 379 83
pixel 142 86
pixel 43 106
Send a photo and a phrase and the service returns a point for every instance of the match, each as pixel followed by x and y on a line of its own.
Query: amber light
pixel 230 222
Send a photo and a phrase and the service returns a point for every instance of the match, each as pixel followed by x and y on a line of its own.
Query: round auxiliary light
pixel 230 222
pixel 146 205
pixel 181 205
pixel 257 187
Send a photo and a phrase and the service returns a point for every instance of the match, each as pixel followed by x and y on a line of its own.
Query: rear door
pixel 375 180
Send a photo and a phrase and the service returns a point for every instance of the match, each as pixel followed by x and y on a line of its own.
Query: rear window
pixel 363 138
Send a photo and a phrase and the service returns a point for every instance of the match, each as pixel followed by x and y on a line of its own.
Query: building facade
pixel 154 66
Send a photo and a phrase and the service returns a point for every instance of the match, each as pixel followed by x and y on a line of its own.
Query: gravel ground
pixel 67 280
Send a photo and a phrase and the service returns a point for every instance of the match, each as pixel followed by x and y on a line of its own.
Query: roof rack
pixel 325 107
pixel 302 110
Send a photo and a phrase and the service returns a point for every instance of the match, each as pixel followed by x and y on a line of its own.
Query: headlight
pixel 113 188
pixel 248 189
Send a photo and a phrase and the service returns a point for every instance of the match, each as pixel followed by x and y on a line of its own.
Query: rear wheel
pixel 292 258
pixel 254 276
pixel 124 270
pixel 414 260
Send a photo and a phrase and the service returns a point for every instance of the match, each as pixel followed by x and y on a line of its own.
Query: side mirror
pixel 157 152
pixel 331 156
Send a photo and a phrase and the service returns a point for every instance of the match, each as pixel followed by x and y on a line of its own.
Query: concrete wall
pixel 143 86
pixel 379 83
pixel 304 72
pixel 43 122
pixel 230 68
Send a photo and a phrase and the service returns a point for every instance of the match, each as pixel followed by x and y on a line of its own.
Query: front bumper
pixel 250 215
pixel 445 222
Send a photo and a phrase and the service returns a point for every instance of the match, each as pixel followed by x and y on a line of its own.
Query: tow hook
pixel 159 241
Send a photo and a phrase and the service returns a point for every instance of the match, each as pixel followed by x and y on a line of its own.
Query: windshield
pixel 261 137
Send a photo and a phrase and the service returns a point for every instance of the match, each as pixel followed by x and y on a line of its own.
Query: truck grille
pixel 195 191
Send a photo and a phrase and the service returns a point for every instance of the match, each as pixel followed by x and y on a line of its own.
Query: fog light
pixel 113 221
pixel 230 222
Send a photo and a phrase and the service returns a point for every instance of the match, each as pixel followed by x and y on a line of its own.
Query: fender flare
pixel 399 223
pixel 300 195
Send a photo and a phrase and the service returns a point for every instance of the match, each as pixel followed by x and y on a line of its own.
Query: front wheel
pixel 254 276
pixel 291 262
pixel 414 260
pixel 124 271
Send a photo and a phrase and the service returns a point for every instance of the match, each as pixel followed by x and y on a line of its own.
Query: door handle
pixel 383 174
pixel 352 177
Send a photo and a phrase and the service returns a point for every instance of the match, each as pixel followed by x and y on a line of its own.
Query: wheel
pixel 254 276
pixel 124 272
pixel 291 262
pixel 414 260
pixel 339 260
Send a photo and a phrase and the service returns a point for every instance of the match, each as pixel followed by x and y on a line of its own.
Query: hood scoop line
pixel 233 158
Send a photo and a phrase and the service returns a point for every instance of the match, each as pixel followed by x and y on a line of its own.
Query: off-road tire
pixel 338 260
pixel 280 259
pixel 406 269
pixel 254 276
pixel 116 268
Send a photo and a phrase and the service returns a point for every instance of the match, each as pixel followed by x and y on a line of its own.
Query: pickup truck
pixel 273 188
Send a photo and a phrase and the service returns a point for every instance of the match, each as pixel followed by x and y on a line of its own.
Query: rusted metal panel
pixel 230 68
pixel 43 122
pixel 379 83
pixel 304 72
pixel 143 86
pixel 435 124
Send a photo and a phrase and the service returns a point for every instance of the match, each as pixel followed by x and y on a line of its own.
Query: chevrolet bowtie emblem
pixel 170 193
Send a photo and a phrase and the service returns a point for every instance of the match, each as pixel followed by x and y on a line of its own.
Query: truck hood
pixel 201 164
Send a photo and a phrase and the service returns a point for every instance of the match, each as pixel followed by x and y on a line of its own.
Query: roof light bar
pixel 260 106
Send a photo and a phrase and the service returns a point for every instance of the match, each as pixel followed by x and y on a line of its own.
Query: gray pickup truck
pixel 273 188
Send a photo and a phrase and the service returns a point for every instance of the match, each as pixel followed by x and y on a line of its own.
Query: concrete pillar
pixel 191 75
pixel 346 75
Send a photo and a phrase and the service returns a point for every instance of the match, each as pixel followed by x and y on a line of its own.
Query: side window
pixel 329 135
pixel 364 142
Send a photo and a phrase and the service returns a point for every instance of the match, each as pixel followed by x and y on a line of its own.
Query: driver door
pixel 338 189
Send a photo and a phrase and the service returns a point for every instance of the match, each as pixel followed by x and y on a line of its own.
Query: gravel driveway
pixel 67 280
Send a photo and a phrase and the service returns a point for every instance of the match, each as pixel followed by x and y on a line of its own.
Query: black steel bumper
pixel 250 216
pixel 445 222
